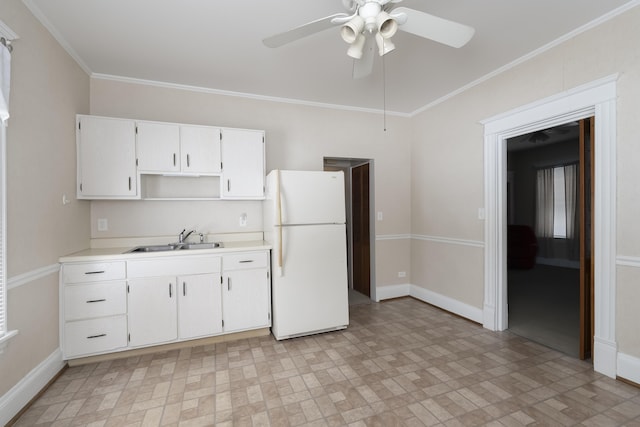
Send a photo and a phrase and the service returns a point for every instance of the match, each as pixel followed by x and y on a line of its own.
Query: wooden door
pixel 586 236
pixel 360 229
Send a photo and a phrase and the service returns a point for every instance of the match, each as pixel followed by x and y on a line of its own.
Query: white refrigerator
pixel 304 220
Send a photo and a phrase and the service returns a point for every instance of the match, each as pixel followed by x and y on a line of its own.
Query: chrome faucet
pixel 182 237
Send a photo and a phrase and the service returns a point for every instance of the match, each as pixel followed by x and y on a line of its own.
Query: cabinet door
pixel 106 158
pixel 243 163
pixel 199 305
pixel 200 149
pixel 246 299
pixel 158 147
pixel 152 310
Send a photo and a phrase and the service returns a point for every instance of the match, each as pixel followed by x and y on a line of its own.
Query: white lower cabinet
pixel 246 291
pixel 93 307
pixel 117 305
pixel 199 306
pixel 152 310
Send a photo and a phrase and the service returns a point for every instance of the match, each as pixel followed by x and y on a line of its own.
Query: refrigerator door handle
pixel 279 208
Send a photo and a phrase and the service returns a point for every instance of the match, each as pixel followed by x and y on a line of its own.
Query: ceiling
pixel 217 45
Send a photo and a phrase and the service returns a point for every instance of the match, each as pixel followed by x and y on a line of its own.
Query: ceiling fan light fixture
pixel 357 47
pixel 384 45
pixel 350 31
pixel 386 24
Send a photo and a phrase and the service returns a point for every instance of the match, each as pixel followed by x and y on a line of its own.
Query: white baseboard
pixel 433 298
pixel 452 305
pixel 21 394
pixel 629 367
pixel 392 291
pixel 604 357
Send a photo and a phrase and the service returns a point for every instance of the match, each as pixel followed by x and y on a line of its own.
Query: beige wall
pixel 47 90
pixel 448 149
pixel 297 137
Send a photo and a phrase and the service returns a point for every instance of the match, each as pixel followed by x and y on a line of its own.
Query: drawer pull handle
pixel 96 336
pixel 95 272
pixel 96 300
pixel 244 261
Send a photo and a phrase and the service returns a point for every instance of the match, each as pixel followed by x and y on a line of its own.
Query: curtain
pixel 5 78
pixel 544 203
pixel 571 197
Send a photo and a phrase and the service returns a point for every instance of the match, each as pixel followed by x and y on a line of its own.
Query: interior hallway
pixel 400 363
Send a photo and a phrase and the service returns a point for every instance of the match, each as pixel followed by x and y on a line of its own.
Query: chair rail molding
pixel 598 99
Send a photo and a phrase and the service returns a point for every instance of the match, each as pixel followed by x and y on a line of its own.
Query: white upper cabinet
pixel 200 149
pixel 243 164
pixel 106 151
pixel 158 147
pixel 174 148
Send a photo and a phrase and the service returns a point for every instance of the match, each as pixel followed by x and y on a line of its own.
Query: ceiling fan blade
pixel 434 28
pixel 304 30
pixel 362 67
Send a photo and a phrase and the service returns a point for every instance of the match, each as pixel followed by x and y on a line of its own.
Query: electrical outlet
pixel 379 216
pixel 103 224
pixel 243 220
pixel 402 274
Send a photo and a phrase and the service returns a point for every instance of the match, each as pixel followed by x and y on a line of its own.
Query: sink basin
pixel 212 245
pixel 155 248
pixel 174 247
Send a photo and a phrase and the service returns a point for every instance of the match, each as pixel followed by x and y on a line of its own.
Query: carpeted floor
pixel 544 306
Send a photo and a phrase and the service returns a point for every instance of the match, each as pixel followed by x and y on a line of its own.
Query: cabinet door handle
pixel 170 290
pixel 228 185
pixel 174 159
pixel 188 161
pixel 184 288
pixel 94 272
pixel 244 261
pixel 96 300
pixel 129 183
pixel 228 283
pixel 96 336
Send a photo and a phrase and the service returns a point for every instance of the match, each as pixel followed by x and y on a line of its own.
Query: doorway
pixel 549 236
pixel 598 99
pixel 358 204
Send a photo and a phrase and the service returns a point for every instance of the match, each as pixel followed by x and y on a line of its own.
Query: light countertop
pixel 121 253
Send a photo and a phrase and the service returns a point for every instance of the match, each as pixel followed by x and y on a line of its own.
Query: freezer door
pixel 310 197
pixel 310 290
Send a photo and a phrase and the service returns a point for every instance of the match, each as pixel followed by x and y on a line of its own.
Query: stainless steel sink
pixel 211 245
pixel 175 247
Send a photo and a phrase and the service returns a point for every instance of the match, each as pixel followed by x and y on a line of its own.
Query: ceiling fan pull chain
pixel 384 94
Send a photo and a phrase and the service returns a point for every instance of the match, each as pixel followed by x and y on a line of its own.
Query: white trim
pixel 446 303
pixel 586 27
pixel 253 96
pixel 4 339
pixel 449 240
pixel 392 291
pixel 393 236
pixel 7 32
pixel 35 10
pixel 32 275
pixel 596 98
pixel 28 387
pixel 628 261
pixel 629 367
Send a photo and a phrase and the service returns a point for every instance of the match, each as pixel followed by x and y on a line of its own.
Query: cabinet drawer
pixel 95 336
pixel 93 272
pixel 95 300
pixel 243 260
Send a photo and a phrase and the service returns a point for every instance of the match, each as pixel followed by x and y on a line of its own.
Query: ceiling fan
pixel 377 20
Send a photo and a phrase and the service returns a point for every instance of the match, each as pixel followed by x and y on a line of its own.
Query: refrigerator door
pixel 307 197
pixel 309 292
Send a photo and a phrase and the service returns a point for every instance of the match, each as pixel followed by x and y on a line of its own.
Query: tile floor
pixel 400 363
